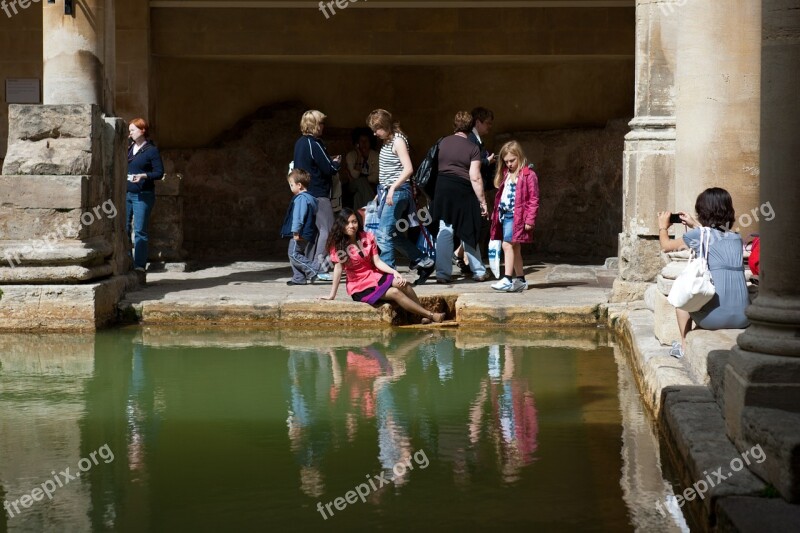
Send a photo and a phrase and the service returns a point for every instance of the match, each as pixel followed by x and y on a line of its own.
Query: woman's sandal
pixel 433 317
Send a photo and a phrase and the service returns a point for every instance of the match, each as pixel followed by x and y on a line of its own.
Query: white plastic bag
pixel 694 288
pixel 371 219
pixel 495 253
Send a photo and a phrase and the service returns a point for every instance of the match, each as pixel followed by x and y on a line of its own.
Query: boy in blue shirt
pixel 299 225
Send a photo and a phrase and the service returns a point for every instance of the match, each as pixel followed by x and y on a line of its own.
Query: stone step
pixel 700 451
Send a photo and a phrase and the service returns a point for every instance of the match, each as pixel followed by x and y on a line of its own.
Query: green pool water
pixel 388 430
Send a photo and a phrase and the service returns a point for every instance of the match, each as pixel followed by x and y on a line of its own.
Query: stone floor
pixel 253 293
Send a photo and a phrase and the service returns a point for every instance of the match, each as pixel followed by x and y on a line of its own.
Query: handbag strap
pixel 705 232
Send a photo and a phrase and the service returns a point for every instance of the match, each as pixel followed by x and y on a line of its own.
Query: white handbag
pixel 694 288
pixel 495 253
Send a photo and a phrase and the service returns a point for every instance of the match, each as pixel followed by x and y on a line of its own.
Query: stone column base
pixel 762 406
pixel 84 307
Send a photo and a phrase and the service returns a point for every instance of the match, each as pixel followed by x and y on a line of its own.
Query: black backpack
pixel 425 176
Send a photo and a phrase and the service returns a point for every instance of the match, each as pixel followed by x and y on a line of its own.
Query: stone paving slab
pixel 255 293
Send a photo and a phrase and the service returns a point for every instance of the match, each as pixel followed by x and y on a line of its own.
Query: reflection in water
pixel 233 431
pixel 505 408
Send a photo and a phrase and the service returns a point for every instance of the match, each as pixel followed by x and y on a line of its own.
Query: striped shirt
pixel 389 162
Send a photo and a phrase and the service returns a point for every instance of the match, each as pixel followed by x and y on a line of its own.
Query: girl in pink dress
pixel 369 279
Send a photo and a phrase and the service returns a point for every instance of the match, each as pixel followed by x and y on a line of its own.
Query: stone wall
pixel 580 188
pixel 235 194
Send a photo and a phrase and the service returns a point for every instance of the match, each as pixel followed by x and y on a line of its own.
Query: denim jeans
pixel 303 268
pixel 444 254
pixel 324 223
pixel 138 206
pixel 508 228
pixel 389 237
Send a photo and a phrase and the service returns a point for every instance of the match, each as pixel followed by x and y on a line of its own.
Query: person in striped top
pixel 395 201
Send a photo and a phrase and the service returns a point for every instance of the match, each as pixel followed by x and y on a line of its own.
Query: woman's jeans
pixel 324 223
pixel 138 206
pixel 389 237
pixel 444 254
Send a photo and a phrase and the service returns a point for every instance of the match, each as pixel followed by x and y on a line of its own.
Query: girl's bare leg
pixel 402 299
pixel 517 259
pixel 509 258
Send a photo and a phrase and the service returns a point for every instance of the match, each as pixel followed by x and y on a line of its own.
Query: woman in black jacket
pixel 310 155
pixel 144 167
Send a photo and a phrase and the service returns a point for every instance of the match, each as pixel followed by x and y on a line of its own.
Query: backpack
pixel 425 176
pixel 754 261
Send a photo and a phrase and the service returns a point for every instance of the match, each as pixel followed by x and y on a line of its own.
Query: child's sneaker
pixel 518 286
pixel 503 285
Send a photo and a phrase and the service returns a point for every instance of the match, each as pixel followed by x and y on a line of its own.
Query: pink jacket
pixel 526 207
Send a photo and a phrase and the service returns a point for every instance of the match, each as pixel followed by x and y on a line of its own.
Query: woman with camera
pixel 726 310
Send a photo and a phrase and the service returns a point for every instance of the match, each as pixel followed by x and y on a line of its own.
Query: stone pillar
pixel 762 380
pixel 717 116
pixel 717 105
pixel 63 261
pixel 79 54
pixel 648 167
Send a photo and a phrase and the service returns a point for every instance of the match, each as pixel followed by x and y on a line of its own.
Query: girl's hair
pixel 513 148
pixel 382 119
pixel 462 122
pixel 338 240
pixel 311 121
pixel 714 208
pixel 142 125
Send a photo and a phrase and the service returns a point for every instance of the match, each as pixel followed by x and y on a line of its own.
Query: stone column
pixel 717 106
pixel 62 190
pixel 762 380
pixel 648 166
pixel 77 49
pixel 717 115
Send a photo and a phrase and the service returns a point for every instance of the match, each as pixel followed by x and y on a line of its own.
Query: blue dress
pixel 726 310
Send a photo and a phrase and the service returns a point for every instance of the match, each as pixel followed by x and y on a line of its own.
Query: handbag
pixel 495 252
pixel 426 174
pixel 694 288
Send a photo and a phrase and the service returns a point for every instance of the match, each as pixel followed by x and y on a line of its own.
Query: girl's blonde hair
pixel 382 119
pixel 311 122
pixel 513 148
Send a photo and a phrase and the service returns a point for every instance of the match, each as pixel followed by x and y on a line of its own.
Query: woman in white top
pixel 394 193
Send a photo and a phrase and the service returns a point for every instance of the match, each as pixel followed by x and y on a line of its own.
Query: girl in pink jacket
pixel 515 207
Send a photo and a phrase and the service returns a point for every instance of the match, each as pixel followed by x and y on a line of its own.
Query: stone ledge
pixel 25 275
pixel 654 368
pixel 65 252
pixel 44 192
pixel 695 434
pixel 741 514
pixel 83 307
pixel 699 345
pixel 501 309
pixel 778 433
